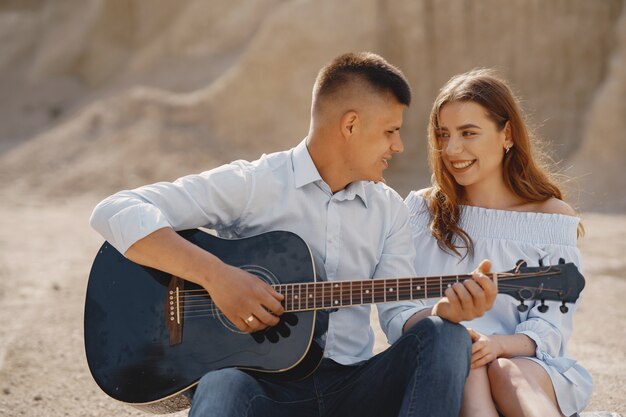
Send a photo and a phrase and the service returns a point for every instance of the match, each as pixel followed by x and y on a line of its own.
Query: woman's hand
pixel 484 349
pixel 469 299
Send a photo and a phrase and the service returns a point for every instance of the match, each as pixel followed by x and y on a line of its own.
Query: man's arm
pixel 463 301
pixel 140 224
pixel 238 294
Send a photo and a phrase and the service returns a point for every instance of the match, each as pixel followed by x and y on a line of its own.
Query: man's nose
pixel 397 145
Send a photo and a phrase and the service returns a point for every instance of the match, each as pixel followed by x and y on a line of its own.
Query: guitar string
pixel 432 282
pixel 354 293
pixel 198 299
pixel 192 312
pixel 319 291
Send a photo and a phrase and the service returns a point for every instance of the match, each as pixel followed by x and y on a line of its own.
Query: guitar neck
pixel 337 294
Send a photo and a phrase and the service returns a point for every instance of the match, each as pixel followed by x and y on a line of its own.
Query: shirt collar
pixel 354 189
pixel 304 169
pixel 305 173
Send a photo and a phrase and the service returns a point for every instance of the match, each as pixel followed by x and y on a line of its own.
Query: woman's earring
pixel 507 148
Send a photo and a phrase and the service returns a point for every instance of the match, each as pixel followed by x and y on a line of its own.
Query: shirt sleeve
pixel 551 330
pixel 213 199
pixel 397 260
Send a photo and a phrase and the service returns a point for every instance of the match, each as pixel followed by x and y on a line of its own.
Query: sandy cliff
pixel 233 79
pixel 598 163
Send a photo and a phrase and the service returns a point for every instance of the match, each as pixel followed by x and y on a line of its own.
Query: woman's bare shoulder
pixel 555 206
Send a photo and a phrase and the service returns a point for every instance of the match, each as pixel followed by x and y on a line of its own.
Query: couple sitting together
pixel 471 352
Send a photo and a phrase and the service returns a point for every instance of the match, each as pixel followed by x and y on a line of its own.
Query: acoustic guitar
pixel 150 336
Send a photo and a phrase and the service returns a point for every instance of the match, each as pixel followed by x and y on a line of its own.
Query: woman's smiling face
pixel 472 147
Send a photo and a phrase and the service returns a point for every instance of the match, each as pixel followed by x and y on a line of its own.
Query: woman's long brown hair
pixel 525 167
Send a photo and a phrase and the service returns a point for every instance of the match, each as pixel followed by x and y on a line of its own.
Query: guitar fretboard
pixel 337 294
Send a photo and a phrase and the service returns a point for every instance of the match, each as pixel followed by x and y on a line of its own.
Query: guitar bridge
pixel 174 310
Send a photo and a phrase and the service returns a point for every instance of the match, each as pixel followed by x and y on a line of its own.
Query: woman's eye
pixel 443 136
pixel 468 133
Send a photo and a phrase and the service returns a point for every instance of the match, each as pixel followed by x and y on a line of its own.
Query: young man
pixel 329 190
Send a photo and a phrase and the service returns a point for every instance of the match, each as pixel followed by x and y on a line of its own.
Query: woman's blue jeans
pixel 422 374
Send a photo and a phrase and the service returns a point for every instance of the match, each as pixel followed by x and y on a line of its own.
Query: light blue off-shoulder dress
pixel 505 237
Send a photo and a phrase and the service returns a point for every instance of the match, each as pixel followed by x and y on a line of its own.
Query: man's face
pixel 377 139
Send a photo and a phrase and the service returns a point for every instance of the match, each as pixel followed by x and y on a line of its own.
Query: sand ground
pixel 46 250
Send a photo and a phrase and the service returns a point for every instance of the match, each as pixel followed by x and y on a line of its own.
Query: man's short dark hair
pixel 367 66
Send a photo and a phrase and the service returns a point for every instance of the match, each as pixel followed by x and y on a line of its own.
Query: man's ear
pixel 349 124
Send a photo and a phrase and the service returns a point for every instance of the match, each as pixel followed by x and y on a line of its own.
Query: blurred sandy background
pixel 100 95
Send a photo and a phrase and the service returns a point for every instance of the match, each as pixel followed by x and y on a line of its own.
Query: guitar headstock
pixel 562 282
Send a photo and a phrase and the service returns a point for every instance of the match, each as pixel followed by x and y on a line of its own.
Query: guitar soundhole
pixel 263 274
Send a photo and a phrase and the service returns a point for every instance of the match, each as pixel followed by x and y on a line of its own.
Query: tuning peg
pixel 564 309
pixel 561 261
pixel 543 307
pixel 522 307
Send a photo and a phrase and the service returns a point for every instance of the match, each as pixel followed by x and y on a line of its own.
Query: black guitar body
pixel 141 350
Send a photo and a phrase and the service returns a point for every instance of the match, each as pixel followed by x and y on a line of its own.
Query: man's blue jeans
pixel 422 374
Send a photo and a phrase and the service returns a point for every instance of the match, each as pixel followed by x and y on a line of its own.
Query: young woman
pixel 492 198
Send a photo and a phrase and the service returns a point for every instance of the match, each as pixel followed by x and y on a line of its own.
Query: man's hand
pixel 247 301
pixel 469 299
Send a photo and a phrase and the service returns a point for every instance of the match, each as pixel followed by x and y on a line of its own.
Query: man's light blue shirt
pixel 359 232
